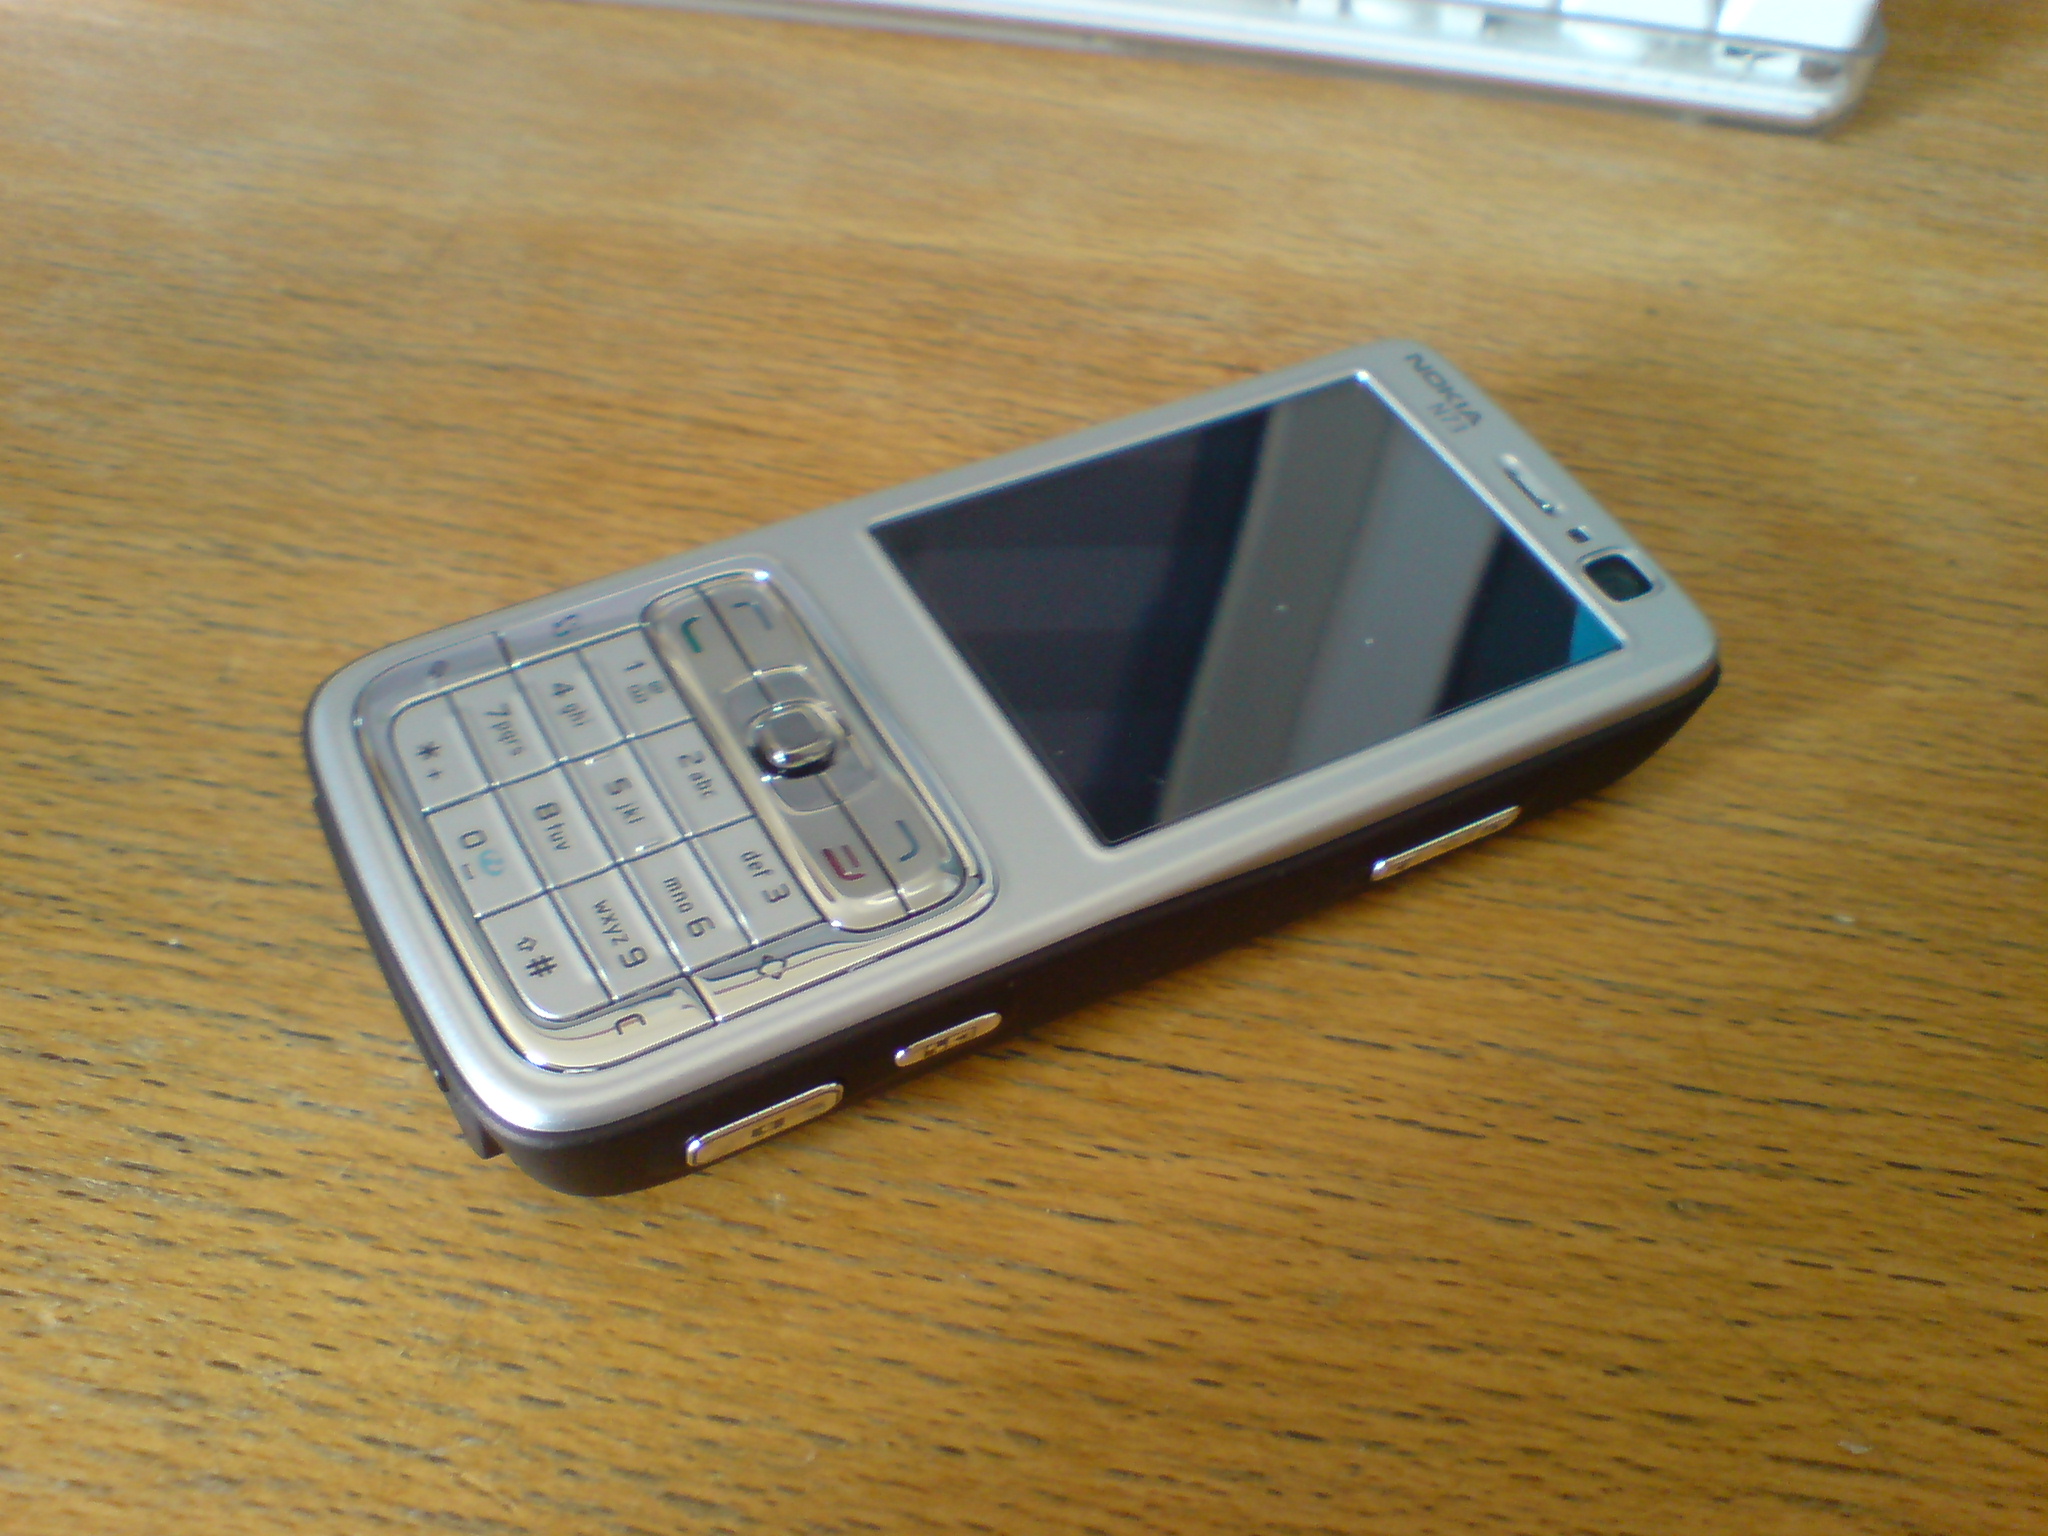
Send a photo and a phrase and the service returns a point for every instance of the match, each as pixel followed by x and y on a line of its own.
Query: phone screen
pixel 1177 623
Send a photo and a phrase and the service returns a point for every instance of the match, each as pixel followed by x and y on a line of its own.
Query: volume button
pixel 1400 863
pixel 772 1121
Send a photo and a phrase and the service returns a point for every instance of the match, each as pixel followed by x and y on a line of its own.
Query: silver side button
pixel 947 1039
pixel 772 1121
pixel 1422 853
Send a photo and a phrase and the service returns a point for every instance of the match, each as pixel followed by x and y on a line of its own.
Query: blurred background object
pixel 1787 63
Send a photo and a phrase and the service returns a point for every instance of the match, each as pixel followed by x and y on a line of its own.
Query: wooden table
pixel 1675 1165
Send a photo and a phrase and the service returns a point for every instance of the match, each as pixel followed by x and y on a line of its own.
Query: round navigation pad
pixel 796 738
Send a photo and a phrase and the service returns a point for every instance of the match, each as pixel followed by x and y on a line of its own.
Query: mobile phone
pixel 666 864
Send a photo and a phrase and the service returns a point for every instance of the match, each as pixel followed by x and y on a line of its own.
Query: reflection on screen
pixel 1182 622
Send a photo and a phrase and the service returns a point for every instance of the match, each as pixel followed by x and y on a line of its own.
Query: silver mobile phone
pixel 666 864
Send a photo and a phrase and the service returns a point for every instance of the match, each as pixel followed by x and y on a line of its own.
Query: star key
pixel 429 748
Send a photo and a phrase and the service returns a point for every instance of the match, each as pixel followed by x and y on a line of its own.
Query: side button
pixel 947 1040
pixel 1386 869
pixel 772 1121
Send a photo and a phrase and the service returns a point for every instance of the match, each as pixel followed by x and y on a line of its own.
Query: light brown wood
pixel 1673 1164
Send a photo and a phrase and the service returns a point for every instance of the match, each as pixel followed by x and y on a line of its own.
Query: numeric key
pixel 627 947
pixel 507 737
pixel 554 828
pixel 635 683
pixel 692 778
pixel 770 899
pixel 567 702
pixel 681 896
pixel 478 844
pixel 624 802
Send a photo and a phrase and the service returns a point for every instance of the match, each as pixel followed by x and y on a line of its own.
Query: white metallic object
pixel 1803 23
pixel 1797 64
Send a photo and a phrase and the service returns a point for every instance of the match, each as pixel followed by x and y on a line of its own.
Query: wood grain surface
pixel 1673 1165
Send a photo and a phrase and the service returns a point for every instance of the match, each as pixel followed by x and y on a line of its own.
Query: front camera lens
pixel 1618 577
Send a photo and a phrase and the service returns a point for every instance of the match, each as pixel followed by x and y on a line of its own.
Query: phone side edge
pixel 650 1148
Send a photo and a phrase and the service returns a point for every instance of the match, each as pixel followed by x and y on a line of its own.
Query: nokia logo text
pixel 1450 408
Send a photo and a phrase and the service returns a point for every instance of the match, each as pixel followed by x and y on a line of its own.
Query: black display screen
pixel 1182 622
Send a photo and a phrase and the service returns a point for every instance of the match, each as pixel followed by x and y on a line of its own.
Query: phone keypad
pixel 606 811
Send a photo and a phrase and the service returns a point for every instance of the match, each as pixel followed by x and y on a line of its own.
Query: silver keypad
pixel 636 863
